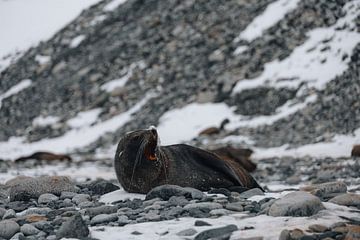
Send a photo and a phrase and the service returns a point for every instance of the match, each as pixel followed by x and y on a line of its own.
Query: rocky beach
pixel 284 75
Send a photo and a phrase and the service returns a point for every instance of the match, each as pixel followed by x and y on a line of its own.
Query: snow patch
pixel 120 195
pixel 73 139
pixel 41 59
pixel 184 124
pixel 316 62
pixel 88 170
pixel 15 89
pixel 195 117
pixel 240 49
pixel 127 73
pixel 340 146
pixel 273 13
pixel 273 225
pixel 97 19
pixel 75 42
pixel 85 118
pixel 42 121
pixel 114 4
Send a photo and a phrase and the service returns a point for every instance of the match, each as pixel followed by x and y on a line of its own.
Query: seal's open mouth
pixel 151 147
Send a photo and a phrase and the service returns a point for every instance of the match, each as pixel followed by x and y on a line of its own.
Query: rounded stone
pixel 46 198
pixel 8 228
pixel 28 229
pixel 296 204
pixel 347 199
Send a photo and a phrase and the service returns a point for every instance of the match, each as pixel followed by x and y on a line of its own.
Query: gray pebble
pixel 28 229
pixel 296 204
pixel 235 206
pixel 203 205
pixel 46 198
pixel 8 228
pixel 79 198
pixel 10 213
pixel 187 232
pixel 104 218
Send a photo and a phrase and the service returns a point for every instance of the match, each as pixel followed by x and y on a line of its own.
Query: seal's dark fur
pixel 141 164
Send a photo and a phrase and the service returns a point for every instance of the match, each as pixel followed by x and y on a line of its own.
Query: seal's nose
pixel 153 130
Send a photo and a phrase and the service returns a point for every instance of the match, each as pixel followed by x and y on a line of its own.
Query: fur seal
pixel 214 130
pixel 48 156
pixel 355 152
pixel 142 164
pixel 240 155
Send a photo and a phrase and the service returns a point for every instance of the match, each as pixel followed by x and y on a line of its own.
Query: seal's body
pixel 47 156
pixel 141 164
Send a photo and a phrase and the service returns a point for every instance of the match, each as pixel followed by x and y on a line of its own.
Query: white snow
pixel 41 59
pixel 240 49
pixel 191 119
pixel 42 121
pixel 89 170
pixel 24 23
pixel 340 146
pixel 85 118
pixel 273 13
pixel 126 75
pixel 194 117
pixel 15 89
pixel 309 63
pixel 118 195
pixel 272 225
pixel 73 139
pixel 114 4
pixel 97 19
pixel 75 42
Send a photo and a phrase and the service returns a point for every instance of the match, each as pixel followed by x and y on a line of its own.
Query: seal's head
pixel 137 158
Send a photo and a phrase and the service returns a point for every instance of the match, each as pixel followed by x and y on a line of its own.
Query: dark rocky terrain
pixel 173 53
pixel 183 51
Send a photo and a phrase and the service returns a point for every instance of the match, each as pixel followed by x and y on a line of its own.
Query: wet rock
pixel 46 198
pixel 101 187
pixel 252 192
pixel 8 228
pixel 347 199
pixel 353 233
pixel 285 235
pixel 187 232
pixel 69 195
pixel 203 205
pixel 166 191
pixel 200 223
pixel 317 228
pixel 216 232
pixel 27 188
pixel 28 229
pixel 326 190
pixel 79 198
pixel 296 204
pixel 104 218
pixel 2 212
pixel 74 227
pixel 105 209
pixel 10 213
pixel 235 206
pixel 296 234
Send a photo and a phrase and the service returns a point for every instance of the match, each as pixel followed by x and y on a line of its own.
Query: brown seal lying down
pixel 214 130
pixel 48 156
pixel 241 155
pixel 141 164
pixel 355 152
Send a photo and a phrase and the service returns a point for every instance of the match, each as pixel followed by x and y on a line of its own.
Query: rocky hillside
pixel 285 73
